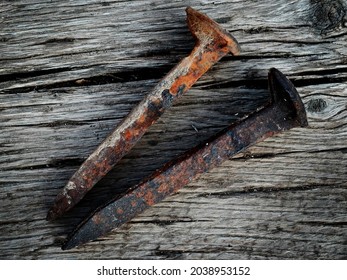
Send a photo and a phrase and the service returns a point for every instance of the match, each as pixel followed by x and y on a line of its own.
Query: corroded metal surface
pixel 285 111
pixel 212 43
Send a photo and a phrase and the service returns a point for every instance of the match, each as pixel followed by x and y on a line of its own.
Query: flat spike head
pixel 205 30
pixel 283 91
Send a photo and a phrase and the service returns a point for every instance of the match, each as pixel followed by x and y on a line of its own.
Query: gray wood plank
pixel 71 70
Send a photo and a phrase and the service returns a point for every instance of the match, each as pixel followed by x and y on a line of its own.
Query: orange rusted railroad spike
pixel 212 43
pixel 284 112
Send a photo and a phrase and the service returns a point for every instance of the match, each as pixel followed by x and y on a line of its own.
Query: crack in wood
pixel 139 74
pixel 248 190
pixel 30 74
pixel 167 222
pixel 340 224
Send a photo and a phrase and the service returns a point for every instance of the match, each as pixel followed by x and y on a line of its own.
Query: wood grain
pixel 71 70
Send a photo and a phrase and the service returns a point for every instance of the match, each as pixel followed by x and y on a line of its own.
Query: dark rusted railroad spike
pixel 212 43
pixel 285 111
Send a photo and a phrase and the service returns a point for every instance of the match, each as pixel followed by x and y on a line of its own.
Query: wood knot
pixel 328 14
pixel 316 105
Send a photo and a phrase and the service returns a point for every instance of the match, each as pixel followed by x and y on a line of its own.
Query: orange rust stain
pixel 163 188
pixel 128 135
pixel 149 198
pixel 96 219
pixel 199 66
pixel 141 119
pixel 140 191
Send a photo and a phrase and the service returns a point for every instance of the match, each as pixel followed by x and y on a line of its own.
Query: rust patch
pixel 120 211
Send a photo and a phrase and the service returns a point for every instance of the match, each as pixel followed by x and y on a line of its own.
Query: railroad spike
pixel 212 43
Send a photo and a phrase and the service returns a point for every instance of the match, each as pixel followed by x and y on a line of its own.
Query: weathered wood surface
pixel 71 70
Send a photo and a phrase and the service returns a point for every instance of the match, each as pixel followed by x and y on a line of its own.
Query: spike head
pixel 207 31
pixel 283 92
